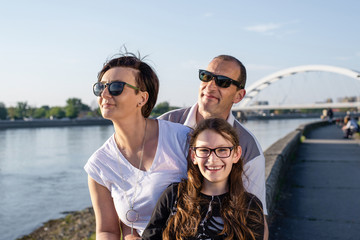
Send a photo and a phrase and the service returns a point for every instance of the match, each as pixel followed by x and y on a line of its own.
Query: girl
pixel 212 202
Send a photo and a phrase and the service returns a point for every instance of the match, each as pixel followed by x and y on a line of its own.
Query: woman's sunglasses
pixel 115 88
pixel 221 81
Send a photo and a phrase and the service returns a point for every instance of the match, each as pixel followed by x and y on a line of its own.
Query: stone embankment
pixel 278 157
pixel 81 225
pixel 36 123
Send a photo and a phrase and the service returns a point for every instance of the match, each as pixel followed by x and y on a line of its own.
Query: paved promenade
pixel 320 196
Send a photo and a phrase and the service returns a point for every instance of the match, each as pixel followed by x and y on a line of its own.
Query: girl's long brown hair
pixel 235 213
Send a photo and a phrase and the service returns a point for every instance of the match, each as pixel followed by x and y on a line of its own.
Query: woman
pixel 212 203
pixel 127 175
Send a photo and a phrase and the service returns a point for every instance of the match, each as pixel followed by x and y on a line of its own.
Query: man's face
pixel 215 101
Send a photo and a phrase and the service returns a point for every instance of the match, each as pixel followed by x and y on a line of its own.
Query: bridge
pixel 253 90
pixel 302 106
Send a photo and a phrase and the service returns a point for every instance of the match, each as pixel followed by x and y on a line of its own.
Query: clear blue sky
pixel 52 50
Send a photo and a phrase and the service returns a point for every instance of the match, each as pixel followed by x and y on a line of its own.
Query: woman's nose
pixel 105 93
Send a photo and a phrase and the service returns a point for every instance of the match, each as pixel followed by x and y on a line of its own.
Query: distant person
pixel 134 166
pixel 222 85
pixel 324 114
pixel 350 127
pixel 330 114
pixel 212 203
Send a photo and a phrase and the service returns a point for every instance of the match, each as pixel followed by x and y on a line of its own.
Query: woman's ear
pixel 144 97
pixel 237 154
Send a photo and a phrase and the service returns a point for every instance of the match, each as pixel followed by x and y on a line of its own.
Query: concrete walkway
pixel 320 196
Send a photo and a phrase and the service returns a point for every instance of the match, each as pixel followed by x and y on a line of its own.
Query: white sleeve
pixel 254 179
pixel 94 172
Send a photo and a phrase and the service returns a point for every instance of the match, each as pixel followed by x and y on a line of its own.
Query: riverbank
pixel 74 226
pixel 36 123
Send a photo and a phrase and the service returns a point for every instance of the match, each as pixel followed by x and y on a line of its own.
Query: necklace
pixel 132 215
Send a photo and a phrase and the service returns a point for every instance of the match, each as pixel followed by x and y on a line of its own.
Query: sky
pixel 51 51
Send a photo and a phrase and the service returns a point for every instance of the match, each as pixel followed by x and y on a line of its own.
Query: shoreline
pixel 35 123
pixel 77 225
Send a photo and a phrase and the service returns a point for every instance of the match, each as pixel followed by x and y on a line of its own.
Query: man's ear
pixel 237 154
pixel 240 94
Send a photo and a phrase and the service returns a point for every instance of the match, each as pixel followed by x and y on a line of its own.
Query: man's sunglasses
pixel 115 88
pixel 221 81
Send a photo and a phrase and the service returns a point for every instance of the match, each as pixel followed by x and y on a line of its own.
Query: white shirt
pixel 108 167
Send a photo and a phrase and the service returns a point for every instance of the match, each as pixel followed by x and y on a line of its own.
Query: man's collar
pixel 191 118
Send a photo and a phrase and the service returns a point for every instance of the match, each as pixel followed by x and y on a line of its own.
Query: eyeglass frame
pixel 212 150
pixel 218 78
pixel 109 84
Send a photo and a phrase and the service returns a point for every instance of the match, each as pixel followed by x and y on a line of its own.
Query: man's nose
pixel 211 84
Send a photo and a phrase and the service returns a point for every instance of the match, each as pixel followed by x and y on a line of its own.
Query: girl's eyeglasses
pixel 204 152
pixel 115 88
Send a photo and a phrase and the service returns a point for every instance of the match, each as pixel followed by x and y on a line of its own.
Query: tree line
pixel 74 108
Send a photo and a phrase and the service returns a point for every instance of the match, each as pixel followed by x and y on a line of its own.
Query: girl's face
pixel 215 169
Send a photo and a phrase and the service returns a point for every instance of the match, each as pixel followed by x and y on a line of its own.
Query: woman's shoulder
pixel 105 151
pixel 178 127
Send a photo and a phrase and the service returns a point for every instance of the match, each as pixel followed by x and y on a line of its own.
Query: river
pixel 42 176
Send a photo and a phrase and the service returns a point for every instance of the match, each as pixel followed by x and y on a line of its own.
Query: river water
pixel 42 176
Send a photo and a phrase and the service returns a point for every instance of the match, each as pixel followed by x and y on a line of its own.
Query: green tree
pixel 161 108
pixel 41 112
pixel 74 106
pixel 3 111
pixel 56 112
pixel 21 110
pixel 30 112
pixel 11 112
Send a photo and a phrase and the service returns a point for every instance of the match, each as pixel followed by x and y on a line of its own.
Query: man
pixel 222 85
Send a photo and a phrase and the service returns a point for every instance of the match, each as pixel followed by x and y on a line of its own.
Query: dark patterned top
pixel 211 221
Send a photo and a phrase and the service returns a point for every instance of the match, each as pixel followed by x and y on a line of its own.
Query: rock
pixel 74 226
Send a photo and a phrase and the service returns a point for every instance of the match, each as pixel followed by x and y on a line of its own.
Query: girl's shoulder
pixel 253 202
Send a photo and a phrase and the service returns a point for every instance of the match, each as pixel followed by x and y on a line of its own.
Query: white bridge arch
pixel 259 85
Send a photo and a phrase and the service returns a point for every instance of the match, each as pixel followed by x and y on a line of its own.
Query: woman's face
pixel 127 103
pixel 215 170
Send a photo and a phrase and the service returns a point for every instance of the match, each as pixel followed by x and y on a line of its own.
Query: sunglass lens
pixel 116 88
pixel 98 88
pixel 205 76
pixel 223 81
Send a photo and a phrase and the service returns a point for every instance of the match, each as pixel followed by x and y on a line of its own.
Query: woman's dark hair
pixel 146 79
pixel 184 223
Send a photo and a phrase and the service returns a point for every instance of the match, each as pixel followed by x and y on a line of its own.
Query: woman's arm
pixel 266 229
pixel 107 220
